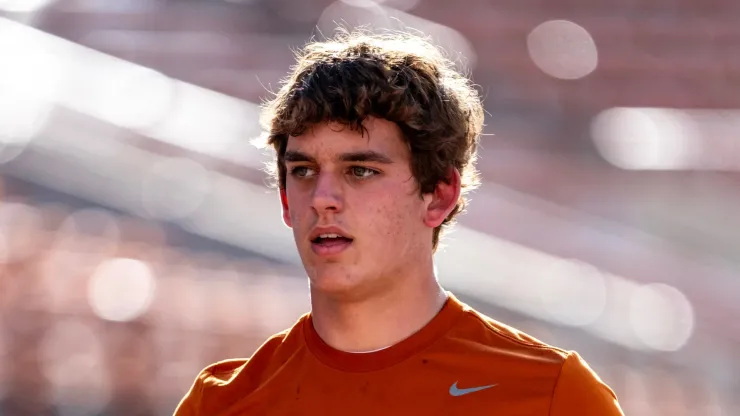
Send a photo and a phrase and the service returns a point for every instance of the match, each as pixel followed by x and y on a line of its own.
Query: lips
pixel 329 241
pixel 326 233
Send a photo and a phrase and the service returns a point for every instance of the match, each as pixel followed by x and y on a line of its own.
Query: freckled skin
pixel 378 204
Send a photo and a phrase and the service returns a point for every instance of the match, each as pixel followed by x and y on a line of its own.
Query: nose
pixel 327 194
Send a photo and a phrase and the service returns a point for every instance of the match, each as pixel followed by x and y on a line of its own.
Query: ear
pixel 441 202
pixel 286 211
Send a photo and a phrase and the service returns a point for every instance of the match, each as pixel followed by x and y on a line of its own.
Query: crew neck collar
pixel 394 354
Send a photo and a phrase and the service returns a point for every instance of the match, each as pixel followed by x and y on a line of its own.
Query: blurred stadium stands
pixel 139 242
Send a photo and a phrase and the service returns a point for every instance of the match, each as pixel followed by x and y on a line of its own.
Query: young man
pixel 376 141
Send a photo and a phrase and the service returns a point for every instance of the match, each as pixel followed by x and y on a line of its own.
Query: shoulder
pixel 574 387
pixel 227 371
pixel 579 389
pixel 487 335
pixel 222 383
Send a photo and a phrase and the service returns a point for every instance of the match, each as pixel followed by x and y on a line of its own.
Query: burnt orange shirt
pixel 461 363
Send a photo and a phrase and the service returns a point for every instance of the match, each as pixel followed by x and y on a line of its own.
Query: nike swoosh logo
pixel 455 391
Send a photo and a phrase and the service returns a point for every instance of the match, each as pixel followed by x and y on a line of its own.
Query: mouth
pixel 329 244
pixel 330 238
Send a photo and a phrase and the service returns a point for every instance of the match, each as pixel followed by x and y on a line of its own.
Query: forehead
pixel 328 140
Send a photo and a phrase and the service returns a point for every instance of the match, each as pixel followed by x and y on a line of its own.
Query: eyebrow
pixel 361 156
pixel 296 156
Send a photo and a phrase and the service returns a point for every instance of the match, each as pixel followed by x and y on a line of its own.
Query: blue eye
pixel 302 172
pixel 361 172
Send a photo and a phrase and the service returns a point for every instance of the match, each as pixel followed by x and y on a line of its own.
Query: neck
pixel 378 321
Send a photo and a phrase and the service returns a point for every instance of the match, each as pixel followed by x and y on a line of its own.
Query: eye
pixel 362 172
pixel 302 172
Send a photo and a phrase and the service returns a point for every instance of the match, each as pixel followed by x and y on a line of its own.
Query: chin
pixel 329 278
pixel 336 280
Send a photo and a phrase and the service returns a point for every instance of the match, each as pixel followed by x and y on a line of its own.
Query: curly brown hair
pixel 400 77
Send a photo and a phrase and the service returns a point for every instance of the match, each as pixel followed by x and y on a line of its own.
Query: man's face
pixel 354 207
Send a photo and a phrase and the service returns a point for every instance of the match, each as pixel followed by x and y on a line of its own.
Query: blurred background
pixel 139 242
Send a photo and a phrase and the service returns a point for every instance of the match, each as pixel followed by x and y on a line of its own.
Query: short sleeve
pixel 579 391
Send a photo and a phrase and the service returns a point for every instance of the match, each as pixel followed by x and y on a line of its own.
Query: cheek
pixel 297 205
pixel 394 217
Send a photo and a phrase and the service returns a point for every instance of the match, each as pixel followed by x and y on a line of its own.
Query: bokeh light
pixel 642 138
pixel 662 317
pixel 17 222
pixel 573 293
pixel 562 49
pixel 137 98
pixel 101 225
pixel 72 358
pixel 121 289
pixel 24 6
pixel 174 188
pixel 21 118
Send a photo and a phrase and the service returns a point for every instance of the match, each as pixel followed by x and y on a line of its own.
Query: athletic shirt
pixel 460 363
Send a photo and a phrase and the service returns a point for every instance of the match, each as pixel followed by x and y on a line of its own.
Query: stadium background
pixel 138 241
